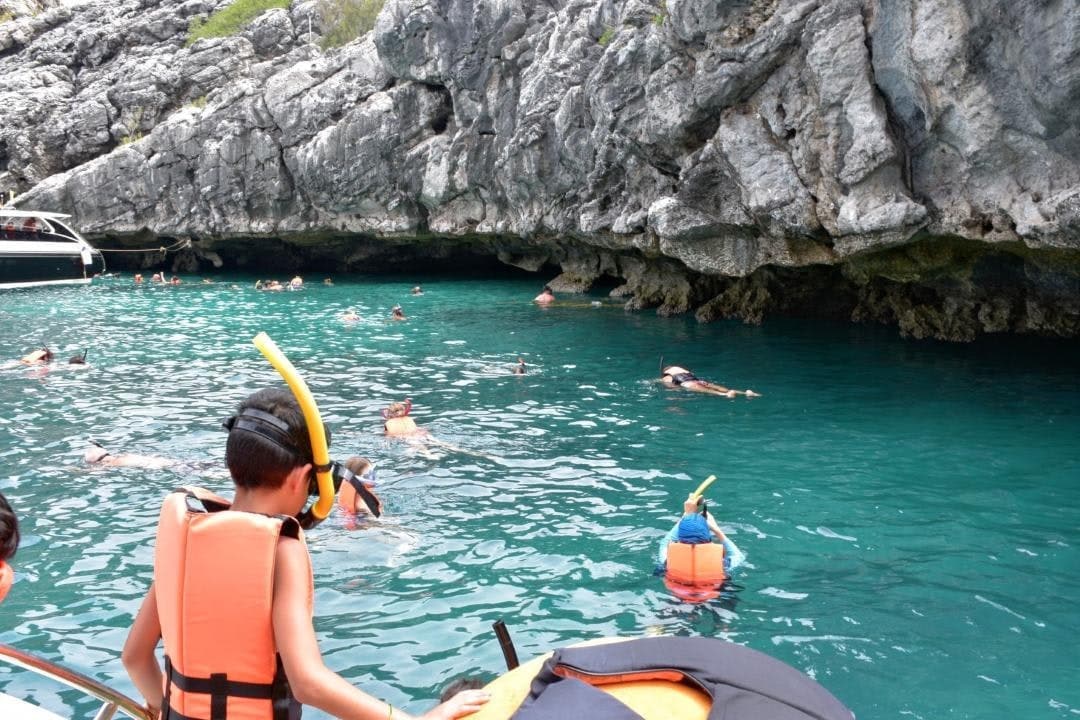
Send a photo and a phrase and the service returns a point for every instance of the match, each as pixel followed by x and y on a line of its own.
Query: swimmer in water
pixel 675 376
pixel 43 356
pixel 78 359
pixel 350 316
pixel 519 369
pixel 398 423
pixel 361 481
pixel 546 296
pixel 98 455
pixel 417 290
pixel 397 314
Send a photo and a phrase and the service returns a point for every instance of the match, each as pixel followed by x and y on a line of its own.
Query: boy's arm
pixel 138 655
pixel 311 681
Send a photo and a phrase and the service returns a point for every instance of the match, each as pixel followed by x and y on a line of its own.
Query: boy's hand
pixel 465 702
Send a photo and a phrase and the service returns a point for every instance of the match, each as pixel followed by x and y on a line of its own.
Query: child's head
pixel 268 438
pixel 358 465
pixel 459 685
pixel 9 530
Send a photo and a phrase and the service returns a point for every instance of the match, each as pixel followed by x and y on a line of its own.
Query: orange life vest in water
pixel 696 565
pixel 400 426
pixel 214 580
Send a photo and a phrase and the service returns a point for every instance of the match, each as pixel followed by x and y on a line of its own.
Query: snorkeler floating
pixel 99 455
pixel 675 376
pixel 398 423
pixel 42 356
pixel 355 495
pixel 694 566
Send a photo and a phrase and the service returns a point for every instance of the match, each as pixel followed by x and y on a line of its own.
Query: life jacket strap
pixel 220 688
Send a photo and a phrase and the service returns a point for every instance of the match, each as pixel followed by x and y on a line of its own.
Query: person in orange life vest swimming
pixel 9 543
pixel 356 496
pixel 232 591
pixel 697 526
pixel 398 423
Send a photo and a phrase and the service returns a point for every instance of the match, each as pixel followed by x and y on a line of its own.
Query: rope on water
pixel 178 245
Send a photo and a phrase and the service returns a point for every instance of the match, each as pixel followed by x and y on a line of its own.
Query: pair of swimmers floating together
pixel 297 283
pixel 351 316
pixel 44 356
pixel 158 278
pixel 680 377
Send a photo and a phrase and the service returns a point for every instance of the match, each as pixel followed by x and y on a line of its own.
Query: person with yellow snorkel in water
pixel 232 591
pixel 697 526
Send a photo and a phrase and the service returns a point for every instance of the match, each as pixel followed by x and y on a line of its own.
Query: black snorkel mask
pixel 272 428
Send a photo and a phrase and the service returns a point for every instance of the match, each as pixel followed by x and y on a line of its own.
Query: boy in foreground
pixel 232 592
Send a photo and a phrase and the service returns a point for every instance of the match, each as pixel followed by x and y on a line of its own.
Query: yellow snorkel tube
pixel 703 487
pixel 319 451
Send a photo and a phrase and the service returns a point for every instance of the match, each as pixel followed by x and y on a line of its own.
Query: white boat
pixel 40 248
pixel 112 702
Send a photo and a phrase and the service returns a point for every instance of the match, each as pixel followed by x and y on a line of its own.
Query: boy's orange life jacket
pixel 214 580
pixel 695 565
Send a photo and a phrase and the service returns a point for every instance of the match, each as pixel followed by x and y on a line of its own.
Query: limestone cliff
pixel 914 162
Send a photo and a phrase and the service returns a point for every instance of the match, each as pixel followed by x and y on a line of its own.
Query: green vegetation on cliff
pixel 345 20
pixel 230 19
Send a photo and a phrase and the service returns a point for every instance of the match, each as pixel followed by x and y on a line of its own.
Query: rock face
pixel 914 162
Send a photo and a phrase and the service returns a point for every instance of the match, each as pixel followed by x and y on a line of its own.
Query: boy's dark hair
pixel 9 530
pixel 462 683
pixel 254 459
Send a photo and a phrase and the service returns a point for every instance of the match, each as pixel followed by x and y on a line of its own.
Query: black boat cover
pixel 744 684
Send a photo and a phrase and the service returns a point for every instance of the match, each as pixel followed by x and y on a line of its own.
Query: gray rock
pixel 732 158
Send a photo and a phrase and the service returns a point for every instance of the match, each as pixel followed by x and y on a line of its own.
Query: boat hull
pixel 37 264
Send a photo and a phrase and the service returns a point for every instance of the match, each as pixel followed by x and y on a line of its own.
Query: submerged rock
pixel 730 159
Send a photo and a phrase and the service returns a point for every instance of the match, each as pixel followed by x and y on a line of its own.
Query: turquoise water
pixel 908 510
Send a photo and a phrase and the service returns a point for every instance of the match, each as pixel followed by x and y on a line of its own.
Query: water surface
pixel 908 509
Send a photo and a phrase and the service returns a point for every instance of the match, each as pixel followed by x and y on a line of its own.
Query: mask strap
pixel 265 425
